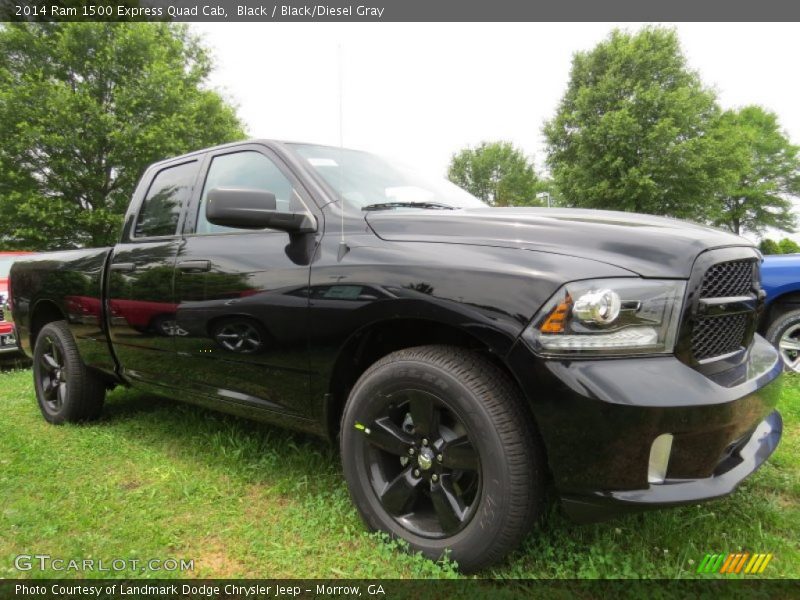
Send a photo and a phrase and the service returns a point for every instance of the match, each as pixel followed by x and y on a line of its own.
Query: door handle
pixel 124 267
pixel 195 265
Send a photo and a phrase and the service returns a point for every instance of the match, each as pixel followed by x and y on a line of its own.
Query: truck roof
pixel 265 141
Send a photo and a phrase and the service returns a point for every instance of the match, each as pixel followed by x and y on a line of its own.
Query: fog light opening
pixel 659 458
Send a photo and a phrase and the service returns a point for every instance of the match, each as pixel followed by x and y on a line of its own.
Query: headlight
pixel 609 317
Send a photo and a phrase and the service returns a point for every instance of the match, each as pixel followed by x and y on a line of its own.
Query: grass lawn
pixel 156 479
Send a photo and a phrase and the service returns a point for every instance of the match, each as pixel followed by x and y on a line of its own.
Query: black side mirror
pixel 253 209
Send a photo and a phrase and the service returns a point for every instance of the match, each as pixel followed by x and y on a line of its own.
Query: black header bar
pixel 400 10
pixel 389 589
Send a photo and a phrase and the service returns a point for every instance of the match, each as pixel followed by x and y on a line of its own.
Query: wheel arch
pixel 44 312
pixel 788 299
pixel 376 340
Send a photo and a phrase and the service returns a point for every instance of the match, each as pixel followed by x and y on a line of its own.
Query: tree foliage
pixel 632 130
pixel 788 246
pixel 785 246
pixel 495 172
pixel 766 172
pixel 84 108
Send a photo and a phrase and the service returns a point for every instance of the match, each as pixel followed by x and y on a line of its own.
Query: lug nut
pixel 411 450
pixel 439 457
pixel 416 472
pixel 435 477
pixel 424 442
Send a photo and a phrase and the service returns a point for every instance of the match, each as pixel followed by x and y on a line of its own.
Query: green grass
pixel 157 479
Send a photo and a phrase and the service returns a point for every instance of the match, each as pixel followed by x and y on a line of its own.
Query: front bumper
pixel 599 418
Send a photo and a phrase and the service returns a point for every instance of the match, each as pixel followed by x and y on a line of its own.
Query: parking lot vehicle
pixel 465 357
pixel 8 337
pixel 780 324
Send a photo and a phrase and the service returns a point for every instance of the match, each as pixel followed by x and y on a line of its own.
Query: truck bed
pixel 71 283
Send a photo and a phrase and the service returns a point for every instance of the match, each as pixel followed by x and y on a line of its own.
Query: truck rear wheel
pixel 66 390
pixel 438 450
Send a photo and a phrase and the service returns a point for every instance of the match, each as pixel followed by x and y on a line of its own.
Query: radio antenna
pixel 343 248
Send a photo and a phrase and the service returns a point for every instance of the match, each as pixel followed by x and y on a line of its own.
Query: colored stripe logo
pixel 737 562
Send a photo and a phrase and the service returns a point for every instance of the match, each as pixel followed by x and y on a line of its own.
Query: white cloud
pixel 421 91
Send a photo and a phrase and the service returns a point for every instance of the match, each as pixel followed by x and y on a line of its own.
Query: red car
pixel 8 340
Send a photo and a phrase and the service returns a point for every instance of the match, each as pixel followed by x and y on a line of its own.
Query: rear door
pixel 242 295
pixel 140 302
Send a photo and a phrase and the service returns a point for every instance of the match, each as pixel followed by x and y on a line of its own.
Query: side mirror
pixel 253 209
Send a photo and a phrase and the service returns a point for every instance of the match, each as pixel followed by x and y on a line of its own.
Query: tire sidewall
pixel 778 327
pixel 72 373
pixel 366 401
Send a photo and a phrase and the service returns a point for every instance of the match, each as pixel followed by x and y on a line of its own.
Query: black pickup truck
pixel 465 357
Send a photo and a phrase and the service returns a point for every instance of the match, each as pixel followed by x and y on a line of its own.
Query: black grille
pixel 723 333
pixel 715 336
pixel 733 278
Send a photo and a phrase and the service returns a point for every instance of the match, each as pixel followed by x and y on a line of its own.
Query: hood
pixel 647 245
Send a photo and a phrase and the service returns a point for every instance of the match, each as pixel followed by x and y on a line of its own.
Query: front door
pixel 141 299
pixel 242 295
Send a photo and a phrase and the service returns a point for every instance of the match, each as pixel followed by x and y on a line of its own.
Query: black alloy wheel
pixel 439 449
pixel 422 464
pixel 66 390
pixel 52 374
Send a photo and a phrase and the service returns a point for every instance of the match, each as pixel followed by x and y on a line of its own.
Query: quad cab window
pixel 161 208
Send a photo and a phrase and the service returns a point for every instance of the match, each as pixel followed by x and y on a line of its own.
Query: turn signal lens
pixel 557 318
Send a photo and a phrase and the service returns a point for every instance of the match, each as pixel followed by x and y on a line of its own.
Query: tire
pixel 67 392
pixel 784 334
pixel 476 487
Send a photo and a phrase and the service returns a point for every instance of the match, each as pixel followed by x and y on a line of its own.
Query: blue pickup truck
pixel 780 278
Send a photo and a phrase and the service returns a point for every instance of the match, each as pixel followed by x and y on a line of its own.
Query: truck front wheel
pixel 438 449
pixel 67 392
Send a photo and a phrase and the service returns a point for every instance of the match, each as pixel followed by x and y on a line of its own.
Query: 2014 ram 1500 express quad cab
pixel 465 356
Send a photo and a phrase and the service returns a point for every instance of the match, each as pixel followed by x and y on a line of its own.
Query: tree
pixel 768 246
pixel 630 133
pixel 766 175
pixel 495 172
pixel 788 246
pixel 84 108
pixel 785 246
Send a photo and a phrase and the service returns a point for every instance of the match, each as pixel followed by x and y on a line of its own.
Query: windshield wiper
pixel 388 205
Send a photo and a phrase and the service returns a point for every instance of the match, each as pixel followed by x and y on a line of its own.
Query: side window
pixel 159 213
pixel 248 170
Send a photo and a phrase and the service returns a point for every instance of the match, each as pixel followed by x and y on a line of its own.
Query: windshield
pixel 365 180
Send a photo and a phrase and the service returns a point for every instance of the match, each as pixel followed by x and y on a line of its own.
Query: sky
pixel 422 91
